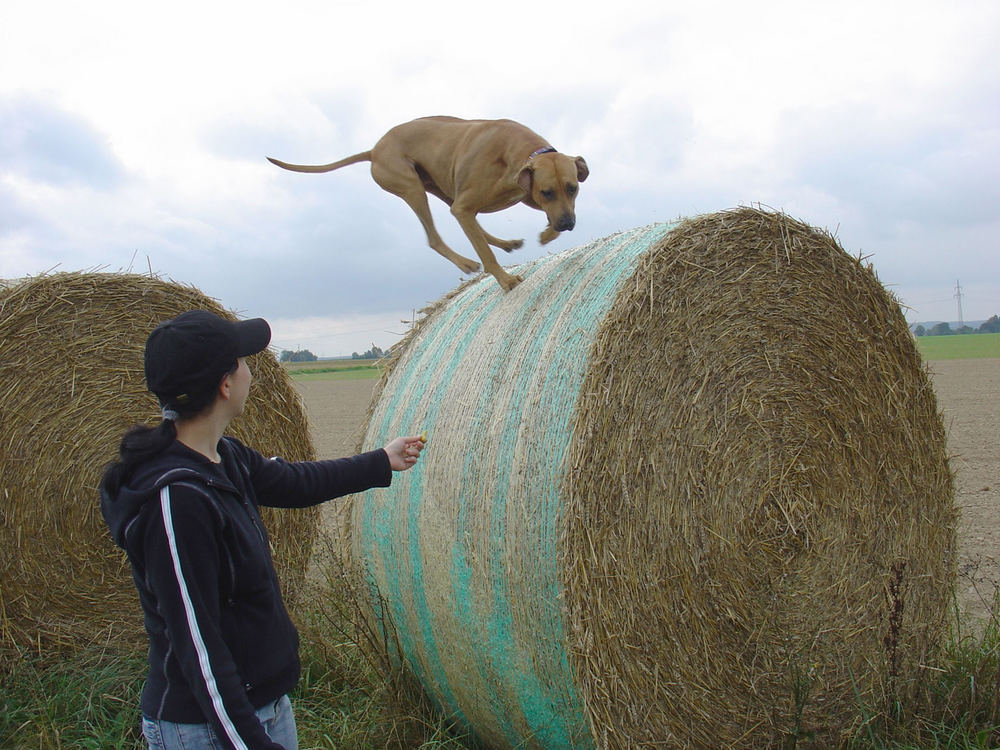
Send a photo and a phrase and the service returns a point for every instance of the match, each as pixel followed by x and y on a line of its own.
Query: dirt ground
pixel 968 393
pixel 336 410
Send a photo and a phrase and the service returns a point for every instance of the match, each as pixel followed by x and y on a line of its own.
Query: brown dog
pixel 475 166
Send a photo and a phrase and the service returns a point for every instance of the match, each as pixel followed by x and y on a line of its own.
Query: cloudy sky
pixel 133 136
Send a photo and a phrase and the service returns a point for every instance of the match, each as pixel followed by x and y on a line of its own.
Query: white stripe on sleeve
pixel 199 643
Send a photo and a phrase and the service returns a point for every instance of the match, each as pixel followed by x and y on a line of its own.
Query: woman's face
pixel 240 385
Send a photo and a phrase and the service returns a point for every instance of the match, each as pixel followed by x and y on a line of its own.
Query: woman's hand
pixel 403 452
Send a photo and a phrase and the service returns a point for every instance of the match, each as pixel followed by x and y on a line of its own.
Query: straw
pixel 71 383
pixel 686 485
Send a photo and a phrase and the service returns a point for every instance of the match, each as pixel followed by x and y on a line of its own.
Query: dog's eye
pixel 571 190
pixel 548 194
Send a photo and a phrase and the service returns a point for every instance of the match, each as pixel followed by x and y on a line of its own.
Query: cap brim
pixel 252 336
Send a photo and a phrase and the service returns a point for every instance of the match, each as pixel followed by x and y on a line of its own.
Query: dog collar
pixel 545 150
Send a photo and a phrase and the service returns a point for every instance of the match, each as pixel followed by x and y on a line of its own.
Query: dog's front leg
pixel 548 235
pixel 476 235
pixel 508 246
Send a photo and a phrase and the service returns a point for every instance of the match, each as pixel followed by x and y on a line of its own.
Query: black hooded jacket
pixel 221 643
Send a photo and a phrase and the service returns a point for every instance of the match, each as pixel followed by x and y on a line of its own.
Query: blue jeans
pixel 277 719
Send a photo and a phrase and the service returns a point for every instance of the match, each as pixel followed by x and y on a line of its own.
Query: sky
pixel 133 137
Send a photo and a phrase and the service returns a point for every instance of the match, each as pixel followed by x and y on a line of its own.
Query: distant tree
pixel 373 353
pixel 941 329
pixel 302 355
pixel 991 326
pixel 965 329
pixel 919 331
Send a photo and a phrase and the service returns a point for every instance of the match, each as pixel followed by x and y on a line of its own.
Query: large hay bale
pixel 71 382
pixel 685 486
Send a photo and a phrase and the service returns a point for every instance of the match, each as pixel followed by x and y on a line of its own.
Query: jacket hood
pixel 176 463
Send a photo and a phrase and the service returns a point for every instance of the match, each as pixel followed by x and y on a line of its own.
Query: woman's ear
pixel 226 386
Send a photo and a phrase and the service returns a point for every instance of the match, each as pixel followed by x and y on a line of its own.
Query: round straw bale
pixel 685 486
pixel 71 383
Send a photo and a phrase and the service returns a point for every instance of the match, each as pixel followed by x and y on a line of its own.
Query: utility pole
pixel 958 296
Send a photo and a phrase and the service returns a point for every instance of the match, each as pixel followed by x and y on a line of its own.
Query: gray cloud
pixel 42 142
pixel 920 195
pixel 281 135
pixel 894 146
pixel 342 246
pixel 933 174
pixel 13 216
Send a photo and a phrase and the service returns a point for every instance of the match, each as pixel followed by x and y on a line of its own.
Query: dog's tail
pixel 363 156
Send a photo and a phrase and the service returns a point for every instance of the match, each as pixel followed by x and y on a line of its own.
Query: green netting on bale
pixel 649 508
pixel 528 369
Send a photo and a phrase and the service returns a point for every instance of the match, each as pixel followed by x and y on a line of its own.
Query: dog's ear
pixel 582 171
pixel 524 177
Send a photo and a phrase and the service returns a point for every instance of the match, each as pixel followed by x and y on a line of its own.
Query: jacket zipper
pixel 244 502
pixel 249 510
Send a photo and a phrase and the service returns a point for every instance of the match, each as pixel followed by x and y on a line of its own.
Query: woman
pixel 182 502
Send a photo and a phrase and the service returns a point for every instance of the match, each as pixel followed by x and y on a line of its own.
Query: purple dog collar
pixel 545 150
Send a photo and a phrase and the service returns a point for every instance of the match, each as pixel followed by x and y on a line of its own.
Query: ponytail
pixel 142 442
pixel 137 445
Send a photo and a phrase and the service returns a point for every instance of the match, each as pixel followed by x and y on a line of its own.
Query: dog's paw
pixel 507 281
pixel 548 235
pixel 513 245
pixel 469 266
pixel 511 282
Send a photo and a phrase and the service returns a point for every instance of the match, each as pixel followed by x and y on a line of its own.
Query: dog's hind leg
pixel 411 189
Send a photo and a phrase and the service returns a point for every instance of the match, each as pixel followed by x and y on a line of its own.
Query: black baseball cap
pixel 187 356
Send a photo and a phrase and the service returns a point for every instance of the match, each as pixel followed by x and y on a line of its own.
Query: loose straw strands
pixel 760 526
pixel 71 383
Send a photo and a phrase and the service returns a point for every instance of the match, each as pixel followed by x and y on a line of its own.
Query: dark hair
pixel 142 442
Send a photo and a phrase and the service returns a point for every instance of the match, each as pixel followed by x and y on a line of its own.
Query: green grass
pixel 89 699
pixel 959 706
pixel 334 369
pixel 964 346
pixel 84 700
pixel 342 702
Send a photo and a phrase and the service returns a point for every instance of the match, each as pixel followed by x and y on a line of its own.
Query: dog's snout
pixel 566 223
